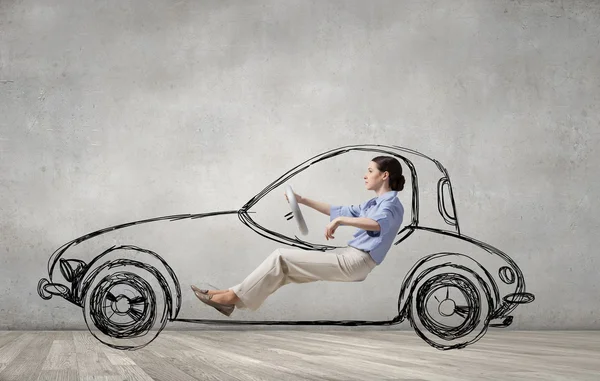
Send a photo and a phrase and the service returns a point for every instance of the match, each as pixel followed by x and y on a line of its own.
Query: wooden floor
pixel 300 355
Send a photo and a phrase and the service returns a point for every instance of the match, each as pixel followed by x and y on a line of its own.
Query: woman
pixel 378 221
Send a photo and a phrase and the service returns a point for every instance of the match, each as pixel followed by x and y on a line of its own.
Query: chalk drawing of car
pixel 451 294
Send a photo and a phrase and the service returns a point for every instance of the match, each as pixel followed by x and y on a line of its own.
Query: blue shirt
pixel 387 210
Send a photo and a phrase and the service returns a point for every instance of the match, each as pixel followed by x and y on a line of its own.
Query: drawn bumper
pixel 512 299
pixel 71 270
pixel 46 289
pixel 519 298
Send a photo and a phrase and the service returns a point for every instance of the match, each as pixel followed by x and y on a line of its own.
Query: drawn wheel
pixel 125 307
pixel 450 307
pixel 296 210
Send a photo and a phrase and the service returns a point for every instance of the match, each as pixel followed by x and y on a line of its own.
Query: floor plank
pixel 26 364
pixel 92 363
pixel 58 375
pixel 288 355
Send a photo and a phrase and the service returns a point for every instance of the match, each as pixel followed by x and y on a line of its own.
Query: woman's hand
pixel 331 227
pixel 299 199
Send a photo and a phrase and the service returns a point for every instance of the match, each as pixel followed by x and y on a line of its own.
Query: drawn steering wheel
pixel 296 210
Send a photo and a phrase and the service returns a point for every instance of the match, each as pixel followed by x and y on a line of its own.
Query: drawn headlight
pixel 506 274
pixel 71 268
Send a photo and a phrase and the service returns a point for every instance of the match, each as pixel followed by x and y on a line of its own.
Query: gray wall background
pixel 118 111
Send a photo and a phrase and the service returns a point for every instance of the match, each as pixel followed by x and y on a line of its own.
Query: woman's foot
pixel 215 292
pixel 209 292
pixel 227 297
pixel 225 309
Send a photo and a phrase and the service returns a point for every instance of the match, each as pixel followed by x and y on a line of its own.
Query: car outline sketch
pixel 491 292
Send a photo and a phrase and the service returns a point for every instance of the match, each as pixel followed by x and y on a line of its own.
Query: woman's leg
pixel 285 266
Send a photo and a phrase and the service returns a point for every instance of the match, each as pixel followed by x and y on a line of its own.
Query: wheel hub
pixel 447 307
pixel 121 305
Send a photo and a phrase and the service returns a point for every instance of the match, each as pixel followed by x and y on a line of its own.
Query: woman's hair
pixel 393 167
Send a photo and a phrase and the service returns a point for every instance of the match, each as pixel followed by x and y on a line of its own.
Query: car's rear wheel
pixel 450 307
pixel 125 306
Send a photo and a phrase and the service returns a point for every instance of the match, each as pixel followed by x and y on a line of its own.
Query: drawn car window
pixel 337 180
pixel 446 204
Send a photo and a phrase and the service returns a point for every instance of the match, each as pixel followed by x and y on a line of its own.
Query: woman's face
pixel 374 178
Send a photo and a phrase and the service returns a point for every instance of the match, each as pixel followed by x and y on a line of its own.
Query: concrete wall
pixel 113 112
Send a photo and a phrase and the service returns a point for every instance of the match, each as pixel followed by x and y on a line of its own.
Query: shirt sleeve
pixel 384 218
pixel 345 211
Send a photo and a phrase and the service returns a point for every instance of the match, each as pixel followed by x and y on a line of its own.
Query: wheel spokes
pixel 137 300
pixel 110 297
pixel 462 311
pixel 134 314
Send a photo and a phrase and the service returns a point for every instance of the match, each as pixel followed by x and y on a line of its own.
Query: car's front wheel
pixel 125 306
pixel 449 307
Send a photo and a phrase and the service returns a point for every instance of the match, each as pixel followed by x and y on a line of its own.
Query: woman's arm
pixel 316 205
pixel 360 222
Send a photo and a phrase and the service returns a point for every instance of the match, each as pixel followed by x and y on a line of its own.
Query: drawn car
pixel 455 288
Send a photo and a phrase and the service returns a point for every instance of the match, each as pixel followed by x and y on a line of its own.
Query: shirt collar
pixel 386 196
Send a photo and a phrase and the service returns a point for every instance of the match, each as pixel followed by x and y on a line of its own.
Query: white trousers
pixel 285 266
